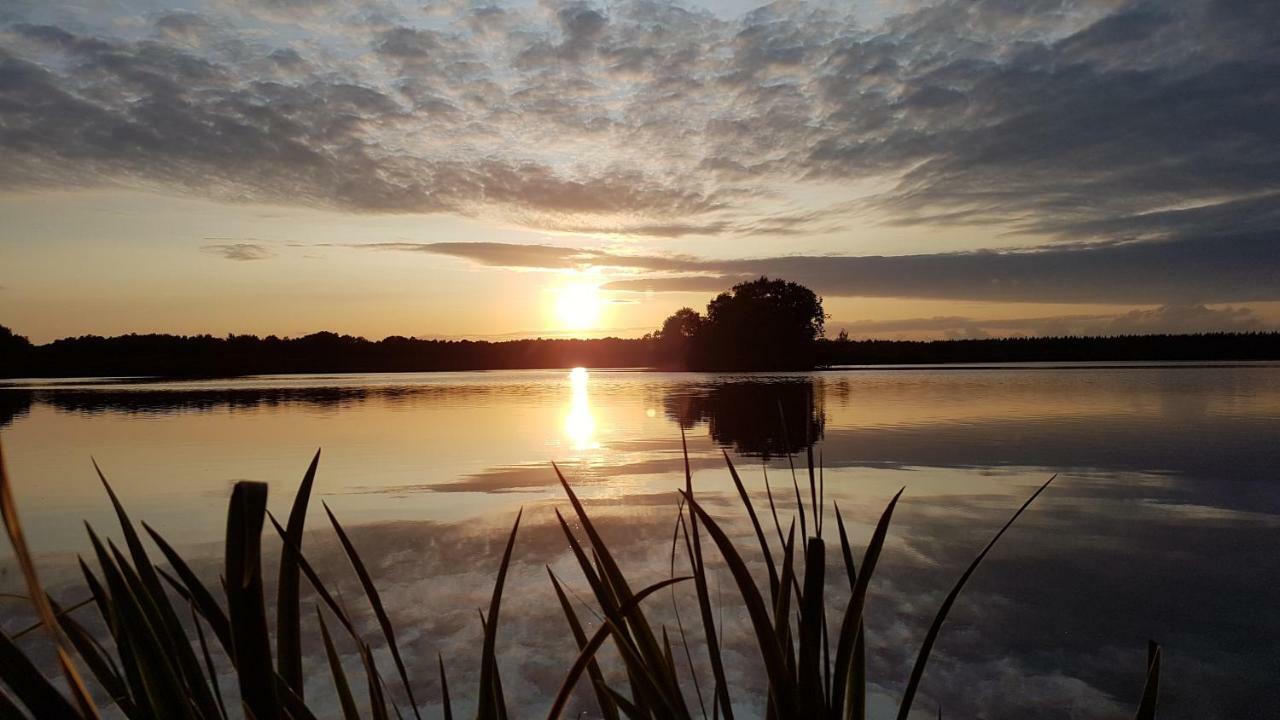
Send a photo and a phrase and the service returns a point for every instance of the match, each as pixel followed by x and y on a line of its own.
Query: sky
pixel 498 169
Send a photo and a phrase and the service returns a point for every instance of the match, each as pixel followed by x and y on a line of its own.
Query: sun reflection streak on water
pixel 580 423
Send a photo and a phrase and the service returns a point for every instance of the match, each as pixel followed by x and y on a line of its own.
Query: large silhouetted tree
pixel 14 349
pixel 676 338
pixel 761 324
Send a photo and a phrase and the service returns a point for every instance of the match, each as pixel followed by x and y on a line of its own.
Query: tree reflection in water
pixel 762 419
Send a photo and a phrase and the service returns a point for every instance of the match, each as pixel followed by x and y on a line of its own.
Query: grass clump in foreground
pixel 166 626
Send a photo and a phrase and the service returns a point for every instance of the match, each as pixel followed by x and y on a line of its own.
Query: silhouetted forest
pixel 1202 347
pixel 208 356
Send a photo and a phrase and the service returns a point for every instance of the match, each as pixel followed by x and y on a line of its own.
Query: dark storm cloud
pixel 1183 272
pixel 1065 120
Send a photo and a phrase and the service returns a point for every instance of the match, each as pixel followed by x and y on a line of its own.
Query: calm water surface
pixel 1164 522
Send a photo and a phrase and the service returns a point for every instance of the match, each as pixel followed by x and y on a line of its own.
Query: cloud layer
pixel 1086 119
pixel 1179 271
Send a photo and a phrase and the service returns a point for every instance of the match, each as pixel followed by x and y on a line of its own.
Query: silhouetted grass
pixel 151 669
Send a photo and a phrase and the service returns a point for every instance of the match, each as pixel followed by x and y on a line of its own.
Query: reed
pixel 153 664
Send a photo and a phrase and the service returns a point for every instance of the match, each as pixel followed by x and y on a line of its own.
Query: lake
pixel 1163 523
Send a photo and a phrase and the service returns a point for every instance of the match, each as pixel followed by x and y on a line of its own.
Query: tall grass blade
pixel 608 709
pixel 781 683
pixel 611 574
pixel 159 687
pixel 676 533
pixel 375 601
pixel 1151 689
pixel 208 663
pixel 95 657
pixel 58 613
pixel 111 617
pixel 593 644
pixel 13 526
pixel 292 705
pixel 917 672
pixel 145 583
pixel 343 688
pixel 755 524
pixel 9 710
pixel 782 609
pixel 851 624
pixel 377 701
pixel 811 697
pixel 316 583
pixel 245 600
pixel 30 686
pixel 490 697
pixel 704 597
pixel 855 702
pixel 288 613
pixel 444 690
pixel 199 594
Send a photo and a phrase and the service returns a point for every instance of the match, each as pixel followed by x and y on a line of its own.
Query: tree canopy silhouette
pixel 762 324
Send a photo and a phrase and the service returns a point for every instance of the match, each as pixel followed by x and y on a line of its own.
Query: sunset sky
pixel 499 169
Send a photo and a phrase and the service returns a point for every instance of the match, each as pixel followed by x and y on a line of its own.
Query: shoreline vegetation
pixel 206 356
pixel 767 325
pixel 169 633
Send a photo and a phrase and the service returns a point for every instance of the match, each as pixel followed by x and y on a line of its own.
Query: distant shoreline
pixel 174 357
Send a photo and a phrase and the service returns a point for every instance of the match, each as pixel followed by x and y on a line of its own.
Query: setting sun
pixel 578 306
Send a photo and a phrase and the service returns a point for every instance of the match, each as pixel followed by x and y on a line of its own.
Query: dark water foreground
pixel 1164 522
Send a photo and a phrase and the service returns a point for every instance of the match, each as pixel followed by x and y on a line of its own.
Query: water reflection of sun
pixel 579 423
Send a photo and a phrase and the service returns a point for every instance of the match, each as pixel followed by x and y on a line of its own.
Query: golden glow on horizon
pixel 580 424
pixel 579 306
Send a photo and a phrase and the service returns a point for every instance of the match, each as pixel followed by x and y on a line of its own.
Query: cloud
pixel 1180 272
pixel 1171 319
pixel 242 251
pixel 1091 120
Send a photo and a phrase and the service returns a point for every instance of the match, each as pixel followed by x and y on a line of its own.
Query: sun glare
pixel 578 306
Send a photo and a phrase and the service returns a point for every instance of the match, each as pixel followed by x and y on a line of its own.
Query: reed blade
pixel 343 688
pixel 288 612
pixel 608 709
pixel 9 710
pixel 781 683
pixel 922 659
pixel 375 601
pixel 851 624
pixel 444 690
pixel 157 683
pixel 696 561
pixel 245 601
pixel 146 585
pixel 812 701
pixel 1151 689
pixel 490 697
pixel 755 524
pixel 636 626
pixel 208 663
pixel 593 644
pixel 35 590
pixel 94 656
pixel 199 594
pixel 32 689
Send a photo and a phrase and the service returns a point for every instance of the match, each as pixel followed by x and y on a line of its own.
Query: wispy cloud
pixel 242 251
pixel 1180 272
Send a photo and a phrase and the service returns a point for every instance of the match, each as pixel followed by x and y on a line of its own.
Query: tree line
pixel 758 325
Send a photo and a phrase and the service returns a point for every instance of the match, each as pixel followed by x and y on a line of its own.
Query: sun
pixel 578 306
